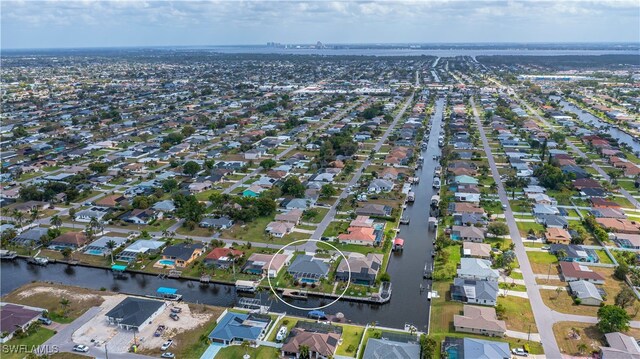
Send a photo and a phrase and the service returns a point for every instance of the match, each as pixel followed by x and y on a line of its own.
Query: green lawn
pixel 37 336
pixel 237 352
pixel 604 258
pixel 351 336
pixel 335 228
pixel 541 262
pixel 446 263
pixel 524 227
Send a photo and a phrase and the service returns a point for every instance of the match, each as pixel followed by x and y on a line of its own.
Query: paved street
pixel 542 314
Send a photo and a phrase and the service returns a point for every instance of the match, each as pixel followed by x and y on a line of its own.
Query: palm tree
pixel 34 213
pixel 94 223
pixel 56 221
pixel 245 345
pixel 304 351
pixel 72 216
pixel 18 216
pixel 582 347
pixel 66 252
pixel 65 303
pixel 111 245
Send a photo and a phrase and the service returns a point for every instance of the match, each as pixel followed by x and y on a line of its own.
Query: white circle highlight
pixel 304 241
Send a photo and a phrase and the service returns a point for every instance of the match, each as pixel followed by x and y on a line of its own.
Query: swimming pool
pixel 167 262
pixel 308 280
pixel 94 252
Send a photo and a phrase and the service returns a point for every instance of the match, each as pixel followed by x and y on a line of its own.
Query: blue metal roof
pixel 166 290
pixel 118 267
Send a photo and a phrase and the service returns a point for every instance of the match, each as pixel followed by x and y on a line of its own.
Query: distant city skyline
pixel 68 24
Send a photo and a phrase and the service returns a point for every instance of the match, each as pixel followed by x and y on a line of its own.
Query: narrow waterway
pixel 407 306
pixel 590 119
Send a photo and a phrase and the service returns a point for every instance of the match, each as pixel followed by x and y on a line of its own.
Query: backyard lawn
pixel 518 314
pixel 37 336
pixel 351 336
pixel 541 262
pixel 237 352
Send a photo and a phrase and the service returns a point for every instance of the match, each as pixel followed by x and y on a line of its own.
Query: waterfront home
pixel 479 320
pixel 30 237
pixel 258 264
pixel 73 240
pixel 467 234
pixel 181 255
pixel 620 346
pixel 557 235
pixel 471 348
pixel 134 313
pixel 317 342
pixel 473 291
pixel 371 209
pixel 466 208
pixel 364 269
pixel 469 219
pixel 574 253
pixel 222 258
pixel 100 247
pixel 235 328
pixel 476 250
pixel 308 269
pixel 391 349
pixel 464 180
pixel 479 269
pixel 380 185
pixel 361 235
pixel 572 271
pixel 139 247
pixel 16 317
pixel 586 292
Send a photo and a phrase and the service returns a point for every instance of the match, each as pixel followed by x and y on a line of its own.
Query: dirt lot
pixel 48 296
pixel 119 340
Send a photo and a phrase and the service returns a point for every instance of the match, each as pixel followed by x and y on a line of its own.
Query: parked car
pixel 545 248
pixel 167 355
pixel 159 330
pixel 45 321
pixel 174 316
pixel 282 334
pixel 519 352
pixel 176 310
pixel 166 345
pixel 80 348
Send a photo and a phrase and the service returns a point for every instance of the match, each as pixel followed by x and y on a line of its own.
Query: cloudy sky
pixel 51 24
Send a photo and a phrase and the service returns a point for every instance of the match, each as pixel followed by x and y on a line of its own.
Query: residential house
pixel 479 269
pixel 380 185
pixel 364 269
pixel 253 191
pixel 292 216
pixel 619 225
pixel 479 320
pixel 183 253
pixel 134 313
pixel 141 246
pixel 625 240
pixel 471 348
pixel 586 292
pixel 557 235
pixel 16 317
pixel 308 269
pixel 258 264
pixel 111 201
pixel 30 237
pixel 279 229
pixel 467 234
pixel 371 209
pixel 73 240
pixel 216 222
pixel 361 235
pixel 572 271
pixel 390 349
pixel 621 346
pixel 235 328
pixel 574 253
pixel 476 250
pixel 100 247
pixel 140 216
pixel 319 343
pixel 222 258
pixel 484 292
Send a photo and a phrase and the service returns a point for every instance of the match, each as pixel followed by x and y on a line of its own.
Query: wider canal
pixel 408 304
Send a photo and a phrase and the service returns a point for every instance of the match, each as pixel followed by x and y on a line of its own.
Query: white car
pixel 166 345
pixel 80 348
pixel 519 352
